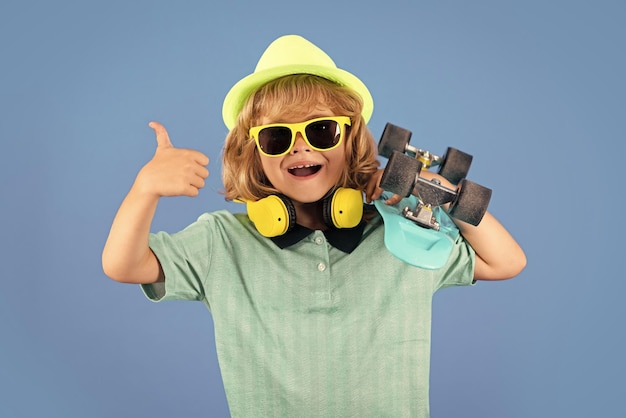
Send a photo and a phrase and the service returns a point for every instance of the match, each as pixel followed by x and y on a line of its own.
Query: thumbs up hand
pixel 172 171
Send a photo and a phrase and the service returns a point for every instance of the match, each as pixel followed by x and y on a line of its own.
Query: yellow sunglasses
pixel 321 134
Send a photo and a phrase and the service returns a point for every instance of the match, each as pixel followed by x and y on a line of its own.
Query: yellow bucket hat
pixel 291 54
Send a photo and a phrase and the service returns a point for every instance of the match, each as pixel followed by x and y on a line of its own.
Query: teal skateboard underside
pixel 415 244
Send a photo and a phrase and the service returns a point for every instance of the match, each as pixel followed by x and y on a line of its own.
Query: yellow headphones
pixel 275 215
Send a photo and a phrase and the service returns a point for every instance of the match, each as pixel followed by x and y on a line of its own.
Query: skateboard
pixel 418 229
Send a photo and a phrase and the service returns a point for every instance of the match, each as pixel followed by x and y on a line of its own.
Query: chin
pixel 309 197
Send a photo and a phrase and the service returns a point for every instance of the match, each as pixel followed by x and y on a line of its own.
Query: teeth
pixel 303 166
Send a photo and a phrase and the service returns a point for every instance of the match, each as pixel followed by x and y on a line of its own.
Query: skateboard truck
pixel 453 165
pixel 430 194
pixel 395 138
pixel 422 215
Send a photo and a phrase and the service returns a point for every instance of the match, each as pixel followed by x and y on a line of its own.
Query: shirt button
pixel 319 240
pixel 321 266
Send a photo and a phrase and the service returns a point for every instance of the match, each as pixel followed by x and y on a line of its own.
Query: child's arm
pixel 498 255
pixel 171 172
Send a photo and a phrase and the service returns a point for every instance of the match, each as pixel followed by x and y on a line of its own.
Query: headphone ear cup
pixel 344 208
pixel 273 215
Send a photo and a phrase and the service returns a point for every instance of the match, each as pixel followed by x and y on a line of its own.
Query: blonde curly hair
pixel 292 96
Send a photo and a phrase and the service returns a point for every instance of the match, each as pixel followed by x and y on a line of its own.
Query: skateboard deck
pixel 416 245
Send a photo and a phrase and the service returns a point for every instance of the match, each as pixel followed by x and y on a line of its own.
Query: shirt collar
pixel 345 239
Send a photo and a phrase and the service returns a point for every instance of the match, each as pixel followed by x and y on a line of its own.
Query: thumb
pixel 162 137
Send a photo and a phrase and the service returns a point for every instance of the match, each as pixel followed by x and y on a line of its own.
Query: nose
pixel 300 145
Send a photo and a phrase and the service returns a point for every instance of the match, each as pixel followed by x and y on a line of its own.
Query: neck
pixel 310 215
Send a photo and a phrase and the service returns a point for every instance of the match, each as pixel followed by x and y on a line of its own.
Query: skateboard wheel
pixel 471 202
pixel 455 165
pixel 394 138
pixel 400 174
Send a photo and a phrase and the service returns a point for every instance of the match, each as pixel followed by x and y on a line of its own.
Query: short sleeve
pixel 459 271
pixel 185 259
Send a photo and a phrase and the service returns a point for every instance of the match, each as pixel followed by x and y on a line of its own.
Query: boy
pixel 313 316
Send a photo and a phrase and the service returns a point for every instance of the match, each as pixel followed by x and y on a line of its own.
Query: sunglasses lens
pixel 323 134
pixel 275 140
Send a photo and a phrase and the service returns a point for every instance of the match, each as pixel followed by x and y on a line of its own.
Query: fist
pixel 172 171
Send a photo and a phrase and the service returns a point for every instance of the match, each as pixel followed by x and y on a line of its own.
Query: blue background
pixel 533 89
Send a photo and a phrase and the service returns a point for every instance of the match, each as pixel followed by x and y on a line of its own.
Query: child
pixel 313 315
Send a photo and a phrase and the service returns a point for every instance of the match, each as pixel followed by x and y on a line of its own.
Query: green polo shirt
pixel 309 330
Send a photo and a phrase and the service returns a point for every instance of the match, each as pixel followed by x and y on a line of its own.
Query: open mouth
pixel 304 170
